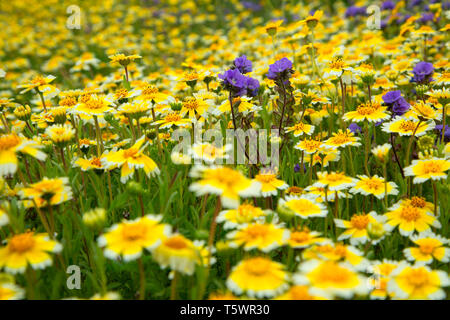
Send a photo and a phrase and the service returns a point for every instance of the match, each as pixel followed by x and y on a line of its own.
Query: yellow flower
pixel 375 186
pixel 304 206
pixel 342 139
pixel 423 170
pixel 4 218
pixel 129 238
pixel 150 93
pixel 334 181
pixel 110 295
pixel 95 217
pixel 10 291
pixel 10 145
pixel 273 27
pixel 123 59
pixel 336 68
pixel 410 218
pixel 173 119
pixel 195 106
pixel 39 83
pixel 378 282
pixel 269 182
pixel 258 277
pixel 304 238
pixel 94 105
pixel 357 227
pixel 430 246
pixel 228 183
pixel 331 279
pixel 208 152
pixel 129 160
pixel 381 152
pixel 407 126
pixel 136 109
pixel 178 253
pixel 309 146
pixel 48 191
pixel 298 293
pixel 301 128
pixel 261 236
pixel 60 134
pixel 371 111
pixel 245 213
pixel 417 282
pixel 424 111
pixel 26 249
pixel 88 164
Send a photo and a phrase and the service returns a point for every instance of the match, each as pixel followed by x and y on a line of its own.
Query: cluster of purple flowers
pixel 396 102
pixel 423 72
pixel 280 70
pixel 354 11
pixel 236 82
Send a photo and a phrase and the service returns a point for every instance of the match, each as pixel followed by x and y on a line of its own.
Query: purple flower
pixel 427 16
pixel 395 101
pixel 252 86
pixel 234 81
pixel 297 168
pixel 280 69
pixel 353 127
pixel 354 11
pixel 392 96
pixel 422 72
pixel 243 64
pixel 446 130
pixel 388 5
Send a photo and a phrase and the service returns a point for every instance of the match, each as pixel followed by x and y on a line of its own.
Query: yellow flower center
pixel 360 221
pixel 96 162
pixel 341 138
pixel 150 91
pixel 365 110
pixel 135 231
pixel 68 102
pixel 418 202
pixel 408 125
pixel 21 242
pixel 332 273
pixel 432 167
pixel 257 230
pixel 173 117
pixel 337 64
pixel 38 81
pixel 191 104
pixel 94 104
pixel 418 277
pixel 300 236
pixel 121 93
pixel 311 144
pixel 294 190
pixel 374 184
pixel 300 293
pixel 257 266
pixel 334 177
pixel 265 178
pixel 190 76
pixel 9 141
pixel 427 248
pixel 410 213
pixel 130 153
pixel 176 242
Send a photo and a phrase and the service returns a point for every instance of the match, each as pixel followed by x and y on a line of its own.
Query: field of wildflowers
pixel 179 149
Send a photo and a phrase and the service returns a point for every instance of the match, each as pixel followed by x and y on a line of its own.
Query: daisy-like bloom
pixel 110 295
pixel 294 191
pixel 323 195
pixel 331 279
pixel 342 139
pixel 269 182
pixel 245 213
pixel 323 157
pixel 258 277
pixel 123 59
pixel 60 134
pixel 356 227
pixel 134 110
pixel 94 105
pixel 303 238
pixel 381 271
pixel 178 253
pixel 10 145
pixel 430 246
pixel 150 93
pixel 371 111
pixel 309 146
pixel 298 292
pixel 172 119
pixel 417 282
pixel 423 170
pixel 407 126
pixel 48 191
pixel 261 236
pixel 336 68
pixel 84 164
pixel 375 186
pixel 228 183
pixel 301 128
pixel 410 218
pixel 130 237
pixel 208 152
pixel 39 82
pixel 193 106
pixel 381 152
pixel 28 249
pixel 129 160
pixel 418 202
pixel 11 291
pixel 95 217
pixel 304 206
pixel 180 158
pixel 423 110
pixel 334 181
